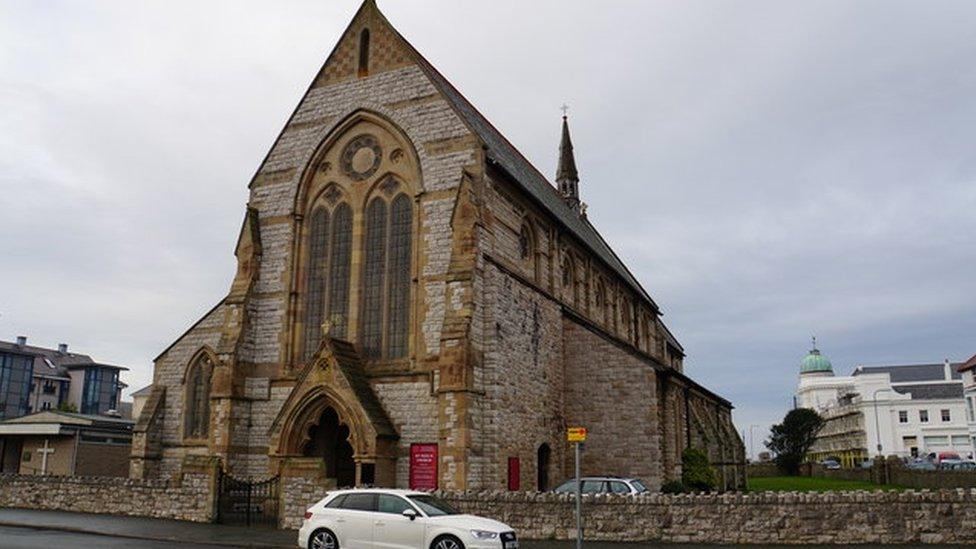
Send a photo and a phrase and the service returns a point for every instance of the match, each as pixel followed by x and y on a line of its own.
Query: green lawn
pixel 809 484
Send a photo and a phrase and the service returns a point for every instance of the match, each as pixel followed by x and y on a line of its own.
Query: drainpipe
pixel 74 460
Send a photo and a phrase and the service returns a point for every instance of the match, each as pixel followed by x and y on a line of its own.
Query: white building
pixel 968 372
pixel 907 410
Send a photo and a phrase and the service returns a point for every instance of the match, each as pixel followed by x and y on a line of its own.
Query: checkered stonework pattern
pixel 387 52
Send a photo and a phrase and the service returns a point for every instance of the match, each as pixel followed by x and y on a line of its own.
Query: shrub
pixel 673 487
pixel 696 473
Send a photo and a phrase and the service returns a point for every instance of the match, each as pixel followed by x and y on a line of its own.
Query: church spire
pixel 567 178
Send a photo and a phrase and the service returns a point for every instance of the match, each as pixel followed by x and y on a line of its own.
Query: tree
pixel 696 473
pixel 792 439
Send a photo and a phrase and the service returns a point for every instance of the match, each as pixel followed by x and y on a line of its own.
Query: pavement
pixel 21 528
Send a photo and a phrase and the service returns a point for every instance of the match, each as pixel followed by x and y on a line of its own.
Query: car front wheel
pixel 323 539
pixel 447 542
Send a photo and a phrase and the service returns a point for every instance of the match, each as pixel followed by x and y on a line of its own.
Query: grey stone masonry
pixel 793 518
pixel 190 500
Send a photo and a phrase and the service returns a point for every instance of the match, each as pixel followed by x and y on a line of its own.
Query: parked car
pixel 957 465
pixel 397 519
pixel 867 464
pixel 939 457
pixel 921 465
pixel 603 485
pixel 831 463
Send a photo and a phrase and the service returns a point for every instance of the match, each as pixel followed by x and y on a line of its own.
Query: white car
pixel 390 519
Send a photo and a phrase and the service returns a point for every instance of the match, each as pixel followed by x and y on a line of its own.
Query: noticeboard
pixel 423 467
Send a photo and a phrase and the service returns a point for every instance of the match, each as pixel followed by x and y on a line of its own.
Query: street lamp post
pixel 877 422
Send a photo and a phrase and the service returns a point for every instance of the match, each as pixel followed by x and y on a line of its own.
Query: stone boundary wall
pixel 190 499
pixel 762 518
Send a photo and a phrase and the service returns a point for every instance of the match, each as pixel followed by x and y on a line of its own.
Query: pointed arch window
pixel 569 280
pixel 364 52
pixel 387 278
pixel 600 300
pixel 196 414
pixel 327 295
pixel 626 319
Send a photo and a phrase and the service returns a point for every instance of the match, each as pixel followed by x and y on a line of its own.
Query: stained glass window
pixel 399 277
pixel 601 299
pixel 318 244
pixel 339 271
pixel 626 319
pixel 197 414
pixel 374 270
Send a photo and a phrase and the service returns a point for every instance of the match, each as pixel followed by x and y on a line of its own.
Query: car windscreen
pixel 432 506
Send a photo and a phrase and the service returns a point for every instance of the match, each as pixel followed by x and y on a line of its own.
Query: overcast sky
pixel 769 170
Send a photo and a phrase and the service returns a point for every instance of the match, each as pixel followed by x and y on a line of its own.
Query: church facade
pixel 416 305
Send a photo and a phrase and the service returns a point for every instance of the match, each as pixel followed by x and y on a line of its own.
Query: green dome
pixel 815 362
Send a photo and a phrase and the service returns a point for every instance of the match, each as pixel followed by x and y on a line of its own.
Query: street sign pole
pixel 577 435
pixel 579 502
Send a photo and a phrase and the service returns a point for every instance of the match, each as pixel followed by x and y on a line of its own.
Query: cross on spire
pixel 565 109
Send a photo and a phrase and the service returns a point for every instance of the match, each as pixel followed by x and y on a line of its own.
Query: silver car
pixel 603 485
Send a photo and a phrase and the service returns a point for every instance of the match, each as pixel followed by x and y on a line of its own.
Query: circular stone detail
pixel 361 157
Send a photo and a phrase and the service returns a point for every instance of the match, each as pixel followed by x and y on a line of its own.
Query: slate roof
pixel 504 155
pixel 71 418
pixel 352 368
pixel 931 391
pixel 909 373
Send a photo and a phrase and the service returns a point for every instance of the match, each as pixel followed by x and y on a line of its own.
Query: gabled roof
pixel 503 155
pixel 968 365
pixel 144 392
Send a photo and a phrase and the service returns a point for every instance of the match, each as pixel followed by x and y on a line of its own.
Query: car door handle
pixel 379 523
pixel 340 519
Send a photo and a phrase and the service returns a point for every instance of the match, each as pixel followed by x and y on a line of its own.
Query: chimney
pixel 62 348
pixel 948 370
pixel 21 341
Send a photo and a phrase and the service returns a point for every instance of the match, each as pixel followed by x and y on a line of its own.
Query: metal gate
pixel 247 503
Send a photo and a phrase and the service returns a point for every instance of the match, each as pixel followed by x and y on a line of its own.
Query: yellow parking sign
pixel 576 434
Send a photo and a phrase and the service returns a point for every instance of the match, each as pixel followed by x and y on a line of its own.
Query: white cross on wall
pixel 44 452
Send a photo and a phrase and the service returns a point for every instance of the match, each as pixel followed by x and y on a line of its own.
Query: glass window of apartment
pixel 969 410
pixel 946 416
pixel 933 441
pixel 16 372
pixel 903 416
pixel 101 391
pixel 923 416
pixel 960 441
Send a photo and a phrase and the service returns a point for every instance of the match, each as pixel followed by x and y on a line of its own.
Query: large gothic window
pixel 386 277
pixel 196 414
pixel 327 298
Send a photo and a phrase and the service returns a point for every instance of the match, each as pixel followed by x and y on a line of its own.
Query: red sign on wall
pixel 423 467
pixel 514 474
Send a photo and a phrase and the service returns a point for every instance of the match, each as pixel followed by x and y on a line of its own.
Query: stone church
pixel 415 304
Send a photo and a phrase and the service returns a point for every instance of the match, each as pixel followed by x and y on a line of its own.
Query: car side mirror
pixel 410 514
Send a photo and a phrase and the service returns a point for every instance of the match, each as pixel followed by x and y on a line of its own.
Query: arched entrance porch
pixel 329 440
pixel 333 426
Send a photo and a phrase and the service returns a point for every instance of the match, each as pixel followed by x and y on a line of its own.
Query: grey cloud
pixel 768 169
